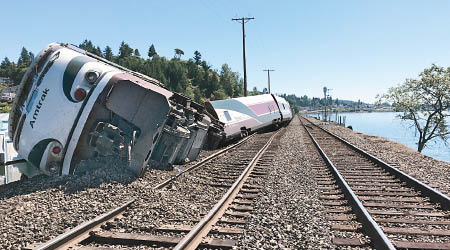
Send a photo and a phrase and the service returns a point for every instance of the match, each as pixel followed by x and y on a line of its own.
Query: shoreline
pixel 388 126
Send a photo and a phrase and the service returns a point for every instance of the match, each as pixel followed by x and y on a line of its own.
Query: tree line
pixel 193 77
pixel 13 70
pixel 316 102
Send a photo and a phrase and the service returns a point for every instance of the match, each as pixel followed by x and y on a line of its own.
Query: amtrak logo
pixel 38 107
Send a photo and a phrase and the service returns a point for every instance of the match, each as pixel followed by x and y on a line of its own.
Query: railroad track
pixel 235 175
pixel 395 210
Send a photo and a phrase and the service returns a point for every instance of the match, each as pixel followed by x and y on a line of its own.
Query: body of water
pixel 387 125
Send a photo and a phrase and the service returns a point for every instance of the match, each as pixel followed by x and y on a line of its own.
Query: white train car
pixel 285 109
pixel 72 105
pixel 245 115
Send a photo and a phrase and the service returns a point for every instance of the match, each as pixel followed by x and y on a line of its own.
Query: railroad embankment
pixel 433 172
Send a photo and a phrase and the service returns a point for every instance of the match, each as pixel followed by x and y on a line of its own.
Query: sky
pixel 358 49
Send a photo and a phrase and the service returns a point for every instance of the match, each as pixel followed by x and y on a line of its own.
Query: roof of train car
pixel 249 100
pixel 242 104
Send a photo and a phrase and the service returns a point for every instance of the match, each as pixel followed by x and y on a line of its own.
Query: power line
pixel 268 77
pixel 244 20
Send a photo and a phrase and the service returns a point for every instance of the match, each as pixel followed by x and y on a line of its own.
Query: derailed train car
pixel 72 105
pixel 245 115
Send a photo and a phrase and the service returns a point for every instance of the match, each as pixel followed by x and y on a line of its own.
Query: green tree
pixel 136 53
pixel 89 47
pixel 7 68
pixel 151 51
pixel 228 80
pixel 108 54
pixel 86 45
pixel 192 68
pixel 25 58
pixel 219 95
pixel 97 51
pixel 205 65
pixel 425 102
pixel 197 57
pixel 176 77
pixel 125 50
pixel 5 63
pixel 178 53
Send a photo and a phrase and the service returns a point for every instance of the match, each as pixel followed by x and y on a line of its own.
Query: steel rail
pixel 202 162
pixel 427 191
pixel 193 239
pixel 83 229
pixel 372 229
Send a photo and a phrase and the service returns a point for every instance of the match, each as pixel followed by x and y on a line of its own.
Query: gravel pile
pixel 288 213
pixel 424 168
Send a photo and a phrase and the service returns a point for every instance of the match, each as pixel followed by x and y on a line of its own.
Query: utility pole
pixel 268 77
pixel 331 103
pixel 243 20
pixel 325 99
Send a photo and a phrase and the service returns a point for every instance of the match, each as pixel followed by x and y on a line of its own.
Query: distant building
pixel 5 80
pixel 7 97
pixel 8 94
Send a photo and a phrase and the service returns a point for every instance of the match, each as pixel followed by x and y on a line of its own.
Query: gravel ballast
pixel 288 213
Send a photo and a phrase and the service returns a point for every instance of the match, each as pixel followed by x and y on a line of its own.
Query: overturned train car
pixel 72 105
pixel 245 115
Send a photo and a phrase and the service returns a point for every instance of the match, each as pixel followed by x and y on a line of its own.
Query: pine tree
pixel 108 54
pixel 87 45
pixel 151 51
pixel 197 57
pixel 5 63
pixel 136 53
pixel 125 50
pixel 24 59
pixel 97 51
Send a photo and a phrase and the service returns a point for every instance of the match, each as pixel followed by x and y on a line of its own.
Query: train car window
pixel 227 115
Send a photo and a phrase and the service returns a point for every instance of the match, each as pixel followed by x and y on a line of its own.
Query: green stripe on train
pixel 72 69
pixel 37 152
